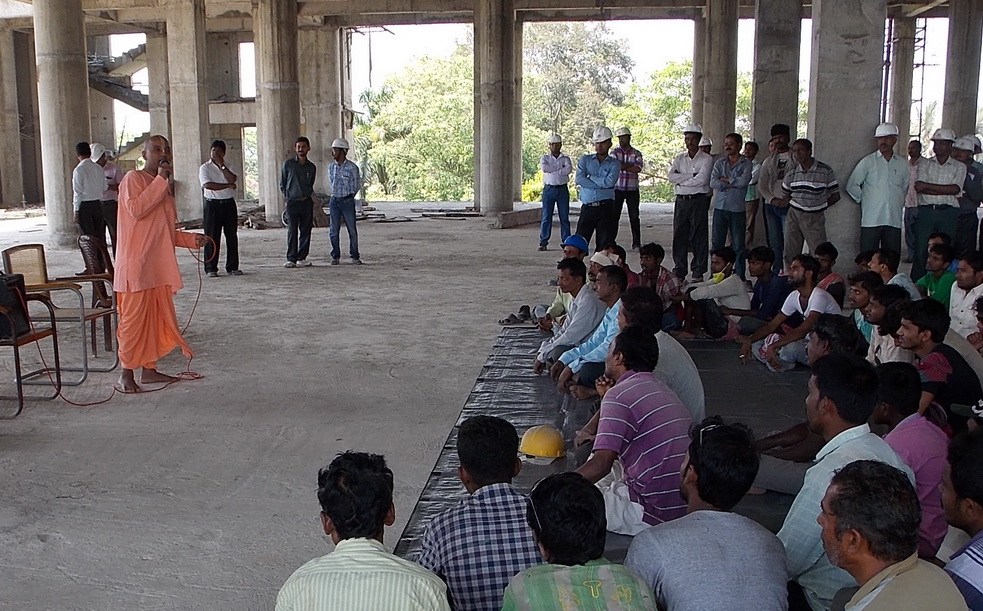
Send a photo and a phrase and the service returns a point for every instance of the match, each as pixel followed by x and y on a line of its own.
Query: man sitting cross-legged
pixel 356 496
pixel 665 283
pixel 480 544
pixel 769 292
pixel 583 315
pixel 704 301
pixel 962 500
pixel 713 558
pixel 566 513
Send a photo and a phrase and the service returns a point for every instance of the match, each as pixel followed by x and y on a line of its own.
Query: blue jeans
pixel 725 221
pixel 558 196
pixel 343 207
pixel 775 231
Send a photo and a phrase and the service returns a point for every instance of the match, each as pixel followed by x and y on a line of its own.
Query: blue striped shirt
pixel 345 179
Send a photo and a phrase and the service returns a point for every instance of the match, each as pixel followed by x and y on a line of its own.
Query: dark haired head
pixel 809 264
pixel 946 251
pixel 965 458
pixel 838 332
pixel 642 306
pixel 753 145
pixel 566 513
pixel 638 347
pixel 487 448
pixel 82 149
pixel 978 307
pixel 726 253
pixel 616 276
pixel 739 139
pixel 899 386
pixel 974 259
pixel 826 249
pixel 890 294
pixel 761 253
pixel 889 257
pixel 653 250
pixel 574 266
pixel 928 315
pixel 805 142
pixel 780 129
pixel 302 139
pixel 863 258
pixel 356 494
pixel 943 237
pixel 868 281
pixel 850 382
pixel 725 461
pixel 218 144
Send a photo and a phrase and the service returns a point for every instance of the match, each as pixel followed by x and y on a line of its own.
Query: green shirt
pixel 938 289
pixel 597 585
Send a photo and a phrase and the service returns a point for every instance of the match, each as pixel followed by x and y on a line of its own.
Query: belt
pixel 599 202
pixel 227 199
pixel 691 195
pixel 352 196
pixel 563 186
pixel 937 206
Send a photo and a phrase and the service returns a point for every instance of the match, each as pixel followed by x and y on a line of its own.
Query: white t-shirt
pixel 209 172
pixel 819 301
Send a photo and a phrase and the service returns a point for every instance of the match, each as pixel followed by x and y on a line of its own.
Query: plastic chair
pixel 27 336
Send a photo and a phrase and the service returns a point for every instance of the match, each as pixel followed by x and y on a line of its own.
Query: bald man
pixel 147 274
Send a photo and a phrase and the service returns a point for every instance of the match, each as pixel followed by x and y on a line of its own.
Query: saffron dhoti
pixel 148 327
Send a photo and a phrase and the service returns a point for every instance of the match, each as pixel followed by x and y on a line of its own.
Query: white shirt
pixel 691 175
pixel 210 172
pixel 88 183
pixel 677 369
pixel 556 170
pixel 961 309
pixel 819 301
pixel 728 293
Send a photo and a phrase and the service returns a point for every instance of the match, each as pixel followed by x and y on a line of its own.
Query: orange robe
pixel 147 274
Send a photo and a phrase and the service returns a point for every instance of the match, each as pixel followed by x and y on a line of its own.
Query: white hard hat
pixel 976 142
pixel 601 134
pixel 693 128
pixel 886 129
pixel 944 133
pixel 340 143
pixel 706 141
pixel 555 139
pixel 622 131
pixel 964 144
pixel 98 151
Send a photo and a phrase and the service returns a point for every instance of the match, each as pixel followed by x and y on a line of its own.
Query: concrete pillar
pixel 517 108
pixel 902 73
pixel 278 96
pixel 11 173
pixel 844 98
pixel 102 112
pixel 160 89
pixel 232 136
pixel 63 96
pixel 720 90
pixel 479 41
pixel 347 94
pixel 962 66
pixel 496 62
pixel 775 90
pixel 30 117
pixel 320 94
pixel 699 67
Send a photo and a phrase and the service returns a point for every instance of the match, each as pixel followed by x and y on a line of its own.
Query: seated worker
pixel 938 280
pixel 862 284
pixel 920 444
pixel 769 292
pixel 583 316
pixel 781 352
pixel 882 312
pixel 885 262
pixel 478 546
pixel 975 339
pixel 713 558
pixel 574 247
pixel 566 513
pixel 869 520
pixel 641 437
pixel 943 238
pixel 827 279
pixel 620 257
pixel 862 260
pixel 356 496
pixel 962 500
pixel 666 284
pixel 967 289
pixel 842 396
pixel 946 376
pixel 704 301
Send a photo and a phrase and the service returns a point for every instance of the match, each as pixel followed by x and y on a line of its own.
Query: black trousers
pixel 109 208
pixel 300 221
pixel 596 216
pixel 90 219
pixel 632 198
pixel 690 231
pixel 221 215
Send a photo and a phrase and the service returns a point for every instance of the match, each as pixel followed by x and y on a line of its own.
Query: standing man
pixel 556 167
pixel 810 187
pixel 911 199
pixel 752 201
pixel 147 274
pixel 597 175
pixel 940 181
pixel 221 215
pixel 88 185
pixel 346 182
pixel 972 196
pixel 879 184
pixel 114 175
pixel 770 180
pixel 297 187
pixel 626 190
pixel 730 178
pixel 689 174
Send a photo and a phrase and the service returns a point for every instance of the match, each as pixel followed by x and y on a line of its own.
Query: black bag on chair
pixel 12 297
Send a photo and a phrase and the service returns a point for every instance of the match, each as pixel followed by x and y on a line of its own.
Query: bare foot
pixel 152 376
pixel 126 383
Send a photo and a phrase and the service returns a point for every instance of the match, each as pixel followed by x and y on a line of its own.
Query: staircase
pixel 111 76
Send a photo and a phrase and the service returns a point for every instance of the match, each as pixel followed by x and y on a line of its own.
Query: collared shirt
pixel 556 170
pixel 909 584
pixel 966 569
pixel 691 175
pixel 647 426
pixel 297 179
pixel 210 172
pixel 596 584
pixel 478 546
pixel 810 189
pixel 883 349
pixel 768 297
pixel 911 197
pixel 595 348
pixel 972 189
pixel 801 533
pixel 88 183
pixel 666 284
pixel 730 195
pixel 904 281
pixel 345 179
pixel 596 179
pixel 866 329
pixel 773 171
pixel 361 575
pixel 961 309
pixel 879 186
pixel 583 316
pixel 939 289
pixel 628 181
pixel 114 175
pixel 949 173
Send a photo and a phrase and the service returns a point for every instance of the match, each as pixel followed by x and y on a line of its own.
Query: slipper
pixel 511 319
pixel 524 313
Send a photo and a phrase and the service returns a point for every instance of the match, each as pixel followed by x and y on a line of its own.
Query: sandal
pixel 524 313
pixel 511 319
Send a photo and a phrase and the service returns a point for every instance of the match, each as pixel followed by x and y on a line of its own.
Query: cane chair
pixel 17 336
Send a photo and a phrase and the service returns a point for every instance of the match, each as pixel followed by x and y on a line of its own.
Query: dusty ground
pixel 201 496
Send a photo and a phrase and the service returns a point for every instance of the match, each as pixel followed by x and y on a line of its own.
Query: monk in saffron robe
pixel 147 274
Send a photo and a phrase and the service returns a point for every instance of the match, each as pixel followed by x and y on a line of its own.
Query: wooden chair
pixel 16 338
pixel 29 260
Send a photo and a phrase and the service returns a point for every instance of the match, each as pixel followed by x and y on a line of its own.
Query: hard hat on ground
pixel 601 134
pixel 542 444
pixel 340 143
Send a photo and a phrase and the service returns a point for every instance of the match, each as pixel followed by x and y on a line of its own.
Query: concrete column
pixel 902 73
pixel 496 61
pixel 278 96
pixel 102 114
pixel 775 91
pixel 30 117
pixel 720 90
pixel 63 96
pixel 160 88
pixel 232 136
pixel 320 94
pixel 479 41
pixel 347 94
pixel 844 98
pixel 517 108
pixel 962 66
pixel 699 67
pixel 11 172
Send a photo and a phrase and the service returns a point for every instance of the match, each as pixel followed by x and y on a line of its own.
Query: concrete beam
pixel 242 112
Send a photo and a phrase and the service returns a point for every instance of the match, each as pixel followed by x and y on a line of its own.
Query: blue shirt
pixel 769 296
pixel 595 348
pixel 966 570
pixel 345 179
pixel 730 195
pixel 596 179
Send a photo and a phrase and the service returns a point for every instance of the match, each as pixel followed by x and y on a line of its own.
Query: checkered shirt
pixel 627 181
pixel 479 546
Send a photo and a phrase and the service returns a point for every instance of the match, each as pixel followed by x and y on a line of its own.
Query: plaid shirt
pixel 479 546
pixel 666 285
pixel 627 181
pixel 345 179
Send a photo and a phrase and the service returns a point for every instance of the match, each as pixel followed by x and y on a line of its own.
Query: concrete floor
pixel 203 495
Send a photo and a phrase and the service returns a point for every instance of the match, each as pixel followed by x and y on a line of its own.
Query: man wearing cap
pixel 220 214
pixel 689 174
pixel 110 197
pixel 556 169
pixel 597 175
pixel 770 179
pixel 88 185
pixel 626 190
pixel 879 184
pixel 940 181
pixel 972 195
pixel 809 187
pixel 346 182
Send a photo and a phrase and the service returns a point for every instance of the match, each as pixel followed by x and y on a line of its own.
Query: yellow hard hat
pixel 542 442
